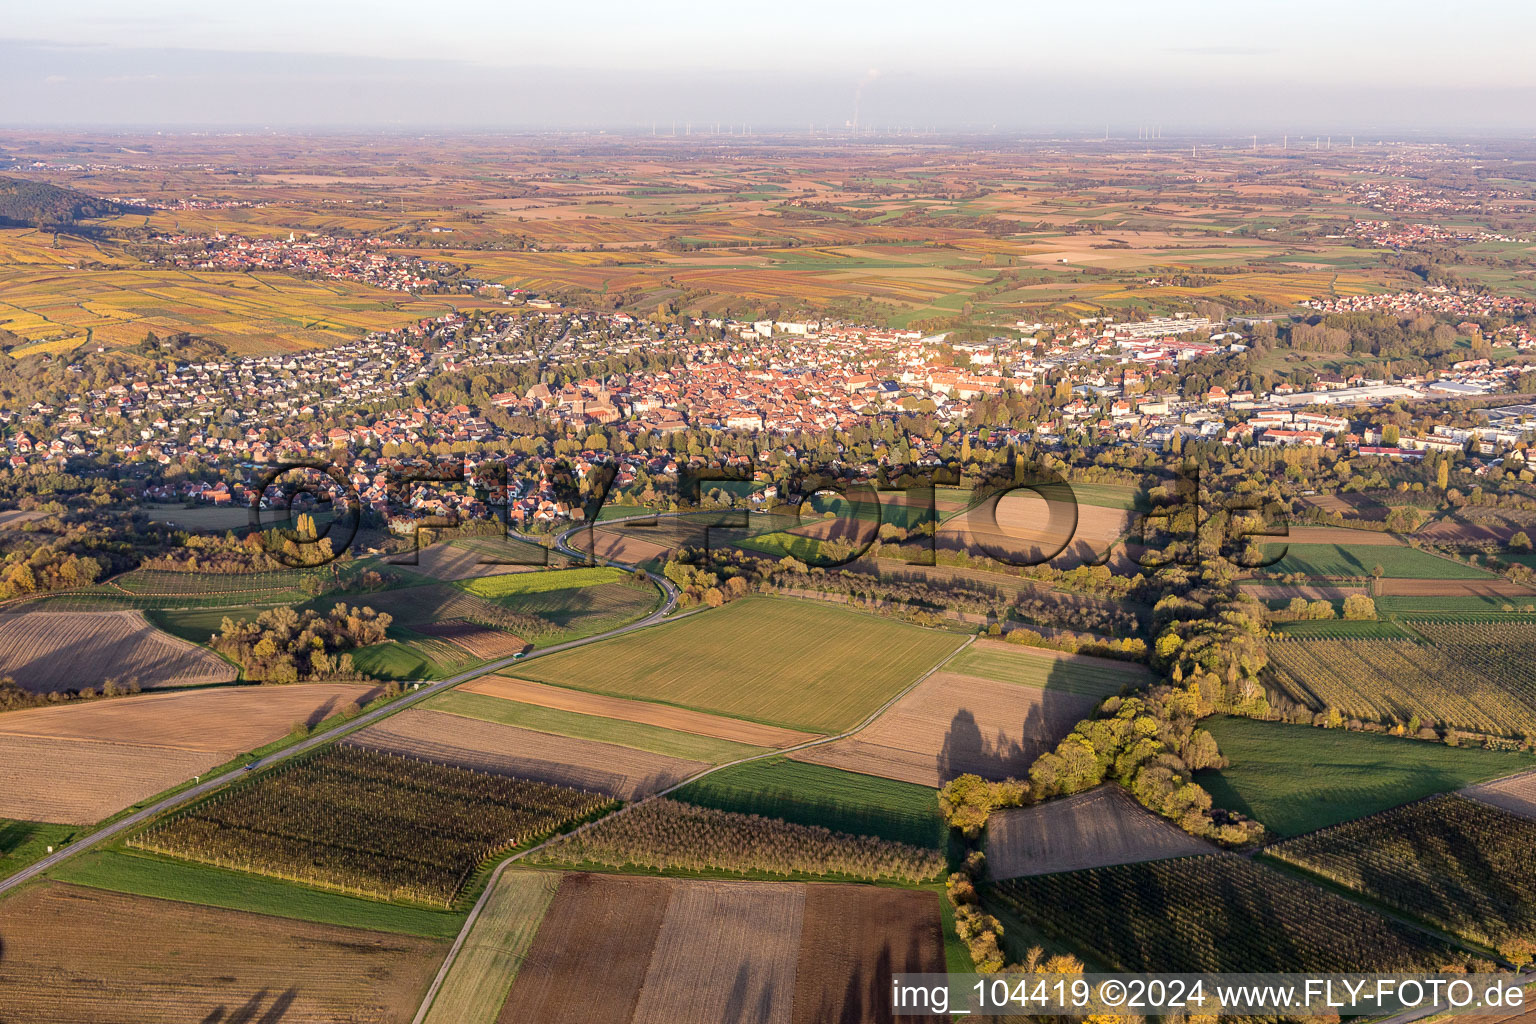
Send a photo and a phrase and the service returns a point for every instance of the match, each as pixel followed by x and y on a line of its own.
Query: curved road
pixel 319 739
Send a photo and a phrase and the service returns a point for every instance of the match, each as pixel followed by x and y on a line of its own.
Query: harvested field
pixel 615 545
pixel 1453 588
pixel 706 952
pixel 75 954
pixel 13 518
pixel 483 642
pixel 451 562
pixel 79 763
pixel 1478 525
pixel 1350 506
pixel 789 663
pixel 491 956
pixel 951 724
pixel 46 652
pixel 1515 794
pixel 1095 829
pixel 726 951
pixel 622 772
pixel 852 940
pixel 660 715
pixel 1340 535
pixel 1025 528
pixel 1349 560
pixel 1310 591
pixel 598 927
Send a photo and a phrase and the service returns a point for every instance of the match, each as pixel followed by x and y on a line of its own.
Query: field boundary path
pixel 428 690
pixel 474 914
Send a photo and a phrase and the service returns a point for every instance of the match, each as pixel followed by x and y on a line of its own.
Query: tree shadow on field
pixel 1014 746
pixel 247 1014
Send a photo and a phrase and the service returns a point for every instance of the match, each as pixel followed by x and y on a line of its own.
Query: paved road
pixel 427 690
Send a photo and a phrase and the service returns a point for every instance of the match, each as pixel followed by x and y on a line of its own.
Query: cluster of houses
pixel 1398 235
pixel 364 260
pixel 342 404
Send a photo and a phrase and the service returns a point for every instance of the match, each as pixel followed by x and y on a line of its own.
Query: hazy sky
pixel 1237 64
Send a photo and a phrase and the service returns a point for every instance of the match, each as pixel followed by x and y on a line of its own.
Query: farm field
pixel 689 746
pixel 1472 525
pixel 638 712
pixel 1493 589
pixel 1099 828
pixel 664 835
pixel 951 724
pixel 1026 529
pixel 65 962
pixel 725 951
pixel 616 771
pixel 79 763
pixel 248 313
pixel 1515 794
pixel 598 926
pixel 675 950
pixel 1472 676
pixel 480 642
pixel 733 661
pixel 1341 536
pixel 993 709
pixel 811 794
pixel 46 651
pixel 540 582
pixel 1459 864
pixel 1353 560
pixel 487 964
pixel 1217 913
pixel 341 820
pixel 1343 629
pixel 1296 778
pixel 1082 675
pixel 136 873
pixel 450 563
pixel 576 612
pixel 1310 591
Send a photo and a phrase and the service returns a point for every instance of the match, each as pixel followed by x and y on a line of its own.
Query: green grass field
pixel 1471 606
pixel 1342 629
pixel 24 842
pixel 1045 671
pixel 1297 778
pixel 810 794
pixel 145 875
pixel 510 584
pixel 797 664
pixel 1361 560
pixel 198 624
pixel 592 727
pixel 485 968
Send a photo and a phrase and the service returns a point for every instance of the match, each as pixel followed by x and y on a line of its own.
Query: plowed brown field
pixel 50 651
pixel 75 954
pixel 79 763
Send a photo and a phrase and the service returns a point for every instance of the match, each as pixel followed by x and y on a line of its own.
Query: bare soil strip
pixel 622 772
pixel 640 712
pixel 1515 794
